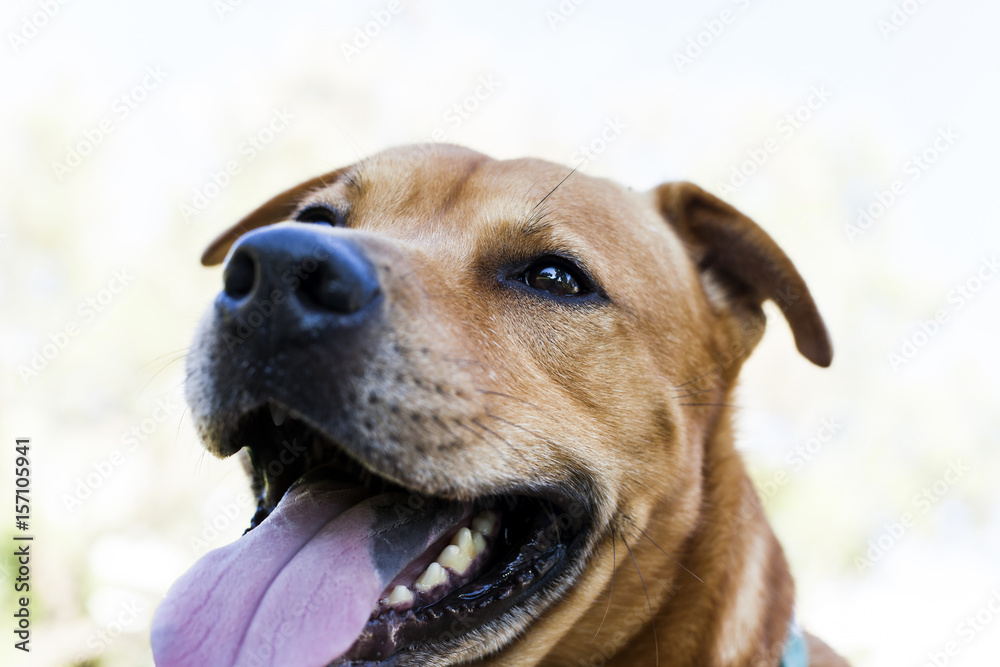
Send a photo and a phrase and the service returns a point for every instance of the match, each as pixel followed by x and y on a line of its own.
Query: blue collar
pixel 796 652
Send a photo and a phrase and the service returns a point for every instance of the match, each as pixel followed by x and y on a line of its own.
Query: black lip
pixel 542 533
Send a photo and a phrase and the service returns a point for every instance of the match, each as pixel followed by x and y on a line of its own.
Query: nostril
pixel 325 289
pixel 238 277
pixel 334 291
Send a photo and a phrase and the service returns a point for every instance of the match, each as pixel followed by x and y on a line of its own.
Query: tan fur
pixel 502 391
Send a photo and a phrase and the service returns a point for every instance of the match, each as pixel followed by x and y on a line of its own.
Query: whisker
pixel 714 370
pixel 182 350
pixel 180 422
pixel 515 398
pixel 681 565
pixel 457 360
pixel 481 437
pixel 718 405
pixel 614 567
pixel 695 393
pixel 157 373
pixel 652 620
pixel 501 438
pixel 552 517
pixel 201 460
pixel 174 387
pixel 184 413
pixel 527 430
pixel 557 186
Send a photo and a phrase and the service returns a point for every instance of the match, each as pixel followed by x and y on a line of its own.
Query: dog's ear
pixel 273 210
pixel 747 262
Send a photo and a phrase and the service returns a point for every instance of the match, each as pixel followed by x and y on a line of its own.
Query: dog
pixel 485 408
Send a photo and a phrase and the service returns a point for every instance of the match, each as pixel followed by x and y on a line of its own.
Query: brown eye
pixel 553 279
pixel 321 215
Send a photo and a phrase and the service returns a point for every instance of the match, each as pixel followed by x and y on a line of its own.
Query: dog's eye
pixel 322 215
pixel 555 278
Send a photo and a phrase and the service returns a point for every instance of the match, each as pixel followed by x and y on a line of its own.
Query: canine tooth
pixel 278 413
pixel 484 522
pixel 432 576
pixel 478 543
pixel 453 557
pixel 400 595
pixel 463 540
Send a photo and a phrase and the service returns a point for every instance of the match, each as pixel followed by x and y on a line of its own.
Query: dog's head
pixel 433 347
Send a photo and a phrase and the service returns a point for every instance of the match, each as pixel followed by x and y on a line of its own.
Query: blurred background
pixel 862 135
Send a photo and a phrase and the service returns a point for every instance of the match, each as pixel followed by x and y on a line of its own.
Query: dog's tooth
pixel 463 540
pixel 400 595
pixel 478 543
pixel 484 522
pixel 278 413
pixel 432 576
pixel 454 558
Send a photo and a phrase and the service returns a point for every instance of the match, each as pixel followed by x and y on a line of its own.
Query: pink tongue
pixel 299 588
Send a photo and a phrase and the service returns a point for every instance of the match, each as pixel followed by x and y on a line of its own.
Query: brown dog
pixel 433 347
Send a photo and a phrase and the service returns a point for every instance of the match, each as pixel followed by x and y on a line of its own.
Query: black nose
pixel 300 277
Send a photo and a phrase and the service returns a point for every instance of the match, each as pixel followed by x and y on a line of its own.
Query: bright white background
pixel 116 519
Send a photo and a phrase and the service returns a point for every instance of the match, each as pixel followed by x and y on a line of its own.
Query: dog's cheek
pixel 202 390
pixel 198 387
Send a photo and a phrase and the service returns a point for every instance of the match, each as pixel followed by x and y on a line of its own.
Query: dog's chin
pixel 525 551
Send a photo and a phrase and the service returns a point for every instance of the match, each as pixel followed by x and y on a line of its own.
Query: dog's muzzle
pixel 345 561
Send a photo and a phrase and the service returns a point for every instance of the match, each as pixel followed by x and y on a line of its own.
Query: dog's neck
pixel 723 595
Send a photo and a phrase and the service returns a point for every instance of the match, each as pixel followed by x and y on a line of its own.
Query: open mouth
pixel 342 566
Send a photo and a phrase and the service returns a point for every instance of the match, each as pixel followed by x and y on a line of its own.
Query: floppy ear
pixel 746 261
pixel 274 210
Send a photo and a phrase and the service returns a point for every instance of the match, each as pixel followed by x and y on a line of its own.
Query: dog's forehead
pixel 427 193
